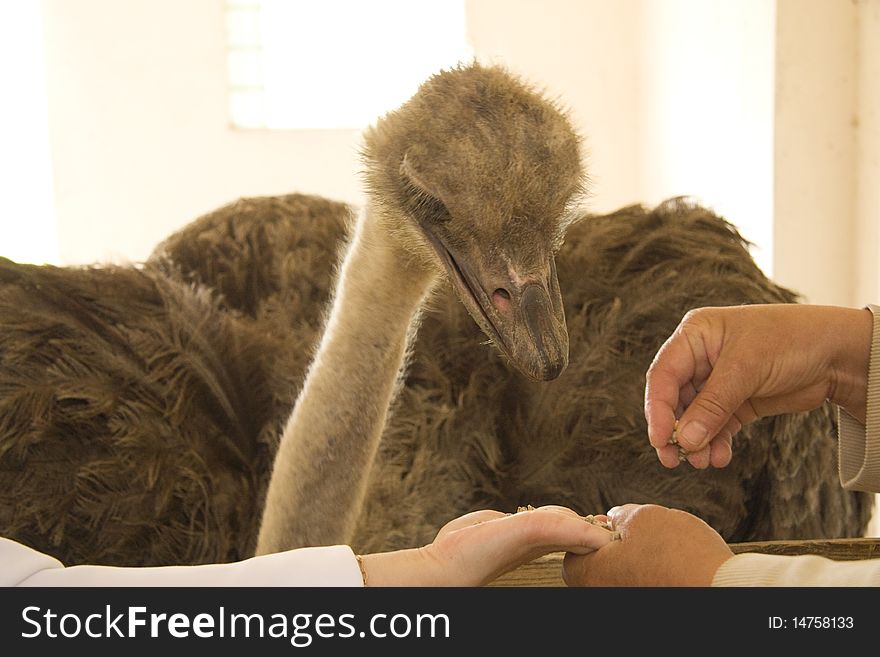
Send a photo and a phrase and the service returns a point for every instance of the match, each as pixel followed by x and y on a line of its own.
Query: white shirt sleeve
pixel 316 566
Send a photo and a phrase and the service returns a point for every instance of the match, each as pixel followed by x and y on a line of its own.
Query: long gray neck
pixel 321 470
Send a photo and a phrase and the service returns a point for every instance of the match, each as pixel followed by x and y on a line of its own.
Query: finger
pixel 553 530
pixel 674 367
pixel 685 397
pixel 669 456
pixel 472 518
pixel 699 458
pixel 721 447
pixel 661 420
pixel 721 450
pixel 662 384
pixel 621 515
pixel 559 509
pixel 554 508
pixel 542 530
pixel 576 568
pixel 734 424
pixel 725 391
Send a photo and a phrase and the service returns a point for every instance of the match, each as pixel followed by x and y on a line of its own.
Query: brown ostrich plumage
pixel 141 407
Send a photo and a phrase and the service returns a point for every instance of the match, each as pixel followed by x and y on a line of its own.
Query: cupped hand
pixel 476 548
pixel 658 546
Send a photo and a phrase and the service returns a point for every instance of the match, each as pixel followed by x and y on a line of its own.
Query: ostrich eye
pixel 432 209
pixel 425 207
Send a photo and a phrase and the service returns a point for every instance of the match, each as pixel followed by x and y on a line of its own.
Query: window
pixel 335 63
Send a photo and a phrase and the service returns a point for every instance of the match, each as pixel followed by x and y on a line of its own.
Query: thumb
pixel 620 515
pixel 704 418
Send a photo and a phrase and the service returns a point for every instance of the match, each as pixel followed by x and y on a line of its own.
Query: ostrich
pixel 434 207
pixel 142 408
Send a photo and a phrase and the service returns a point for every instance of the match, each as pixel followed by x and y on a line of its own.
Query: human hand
pixel 658 546
pixel 725 367
pixel 476 548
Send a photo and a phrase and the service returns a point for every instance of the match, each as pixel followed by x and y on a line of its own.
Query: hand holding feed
pixel 658 547
pixel 476 548
pixel 725 367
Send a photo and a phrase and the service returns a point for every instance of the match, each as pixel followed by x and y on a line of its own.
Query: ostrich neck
pixel 321 470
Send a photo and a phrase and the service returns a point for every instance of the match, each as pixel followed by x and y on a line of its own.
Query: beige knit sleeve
pixel 859 460
pixel 752 569
pixel 859 446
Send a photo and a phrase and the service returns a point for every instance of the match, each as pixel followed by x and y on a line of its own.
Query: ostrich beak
pixel 543 344
pixel 524 318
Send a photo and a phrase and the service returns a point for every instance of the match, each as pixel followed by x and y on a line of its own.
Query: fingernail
pixel 693 433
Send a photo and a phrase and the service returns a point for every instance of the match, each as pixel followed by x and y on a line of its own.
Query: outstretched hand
pixel 476 548
pixel 725 367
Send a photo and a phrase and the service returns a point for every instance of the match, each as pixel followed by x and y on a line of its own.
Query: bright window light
pixel 336 64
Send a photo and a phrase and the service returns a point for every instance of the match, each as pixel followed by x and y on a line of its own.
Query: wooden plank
pixel 547 571
pixel 841 549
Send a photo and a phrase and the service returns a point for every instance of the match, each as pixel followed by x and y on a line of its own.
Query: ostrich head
pixel 475 176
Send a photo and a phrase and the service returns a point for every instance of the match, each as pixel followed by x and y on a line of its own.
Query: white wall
pixel 27 216
pixel 140 136
pixel 815 167
pixel 867 230
pixel 706 110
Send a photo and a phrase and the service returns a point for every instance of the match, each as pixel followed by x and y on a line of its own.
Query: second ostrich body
pixel 467 431
pixel 152 402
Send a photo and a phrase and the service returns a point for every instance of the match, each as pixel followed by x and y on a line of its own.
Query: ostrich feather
pixel 140 408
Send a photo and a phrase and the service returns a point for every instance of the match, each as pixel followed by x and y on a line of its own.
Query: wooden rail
pixel 547 571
